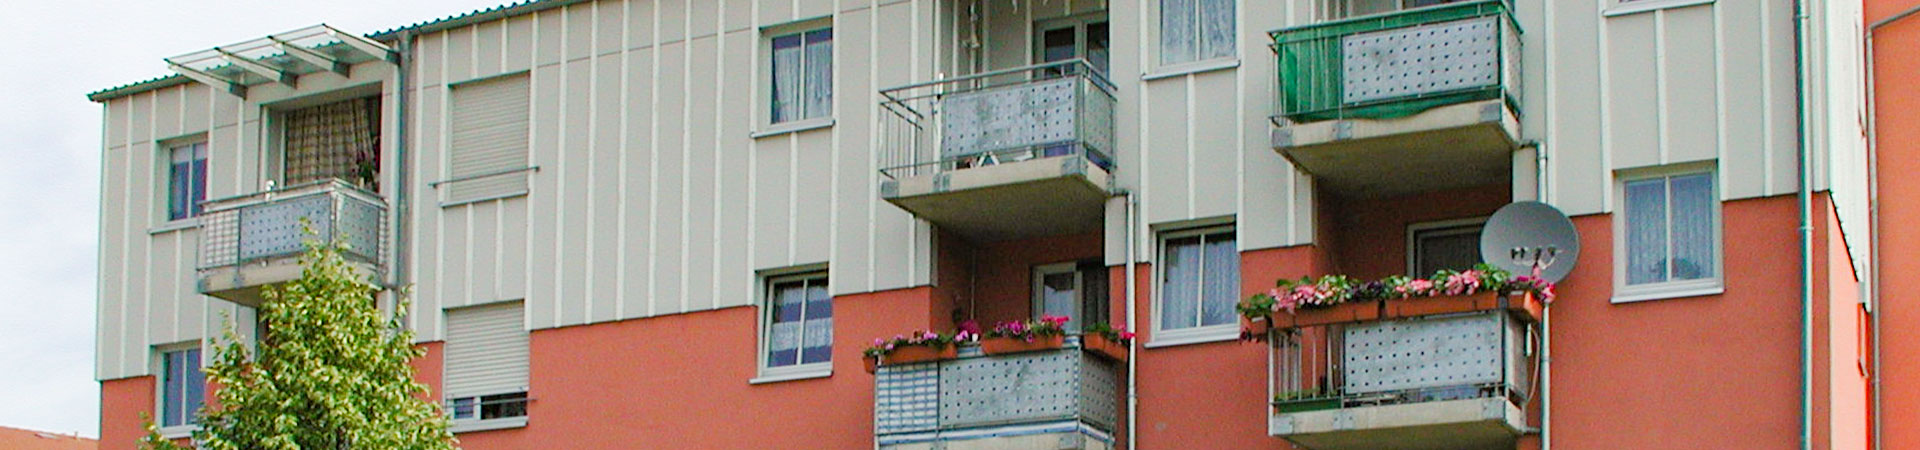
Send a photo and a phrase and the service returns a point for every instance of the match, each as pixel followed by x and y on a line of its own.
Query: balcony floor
pixel 1455 146
pixel 1016 200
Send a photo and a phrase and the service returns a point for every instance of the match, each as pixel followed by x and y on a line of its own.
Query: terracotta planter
pixel 1100 345
pixel 1257 326
pixel 1002 345
pixel 872 363
pixel 1342 313
pixel 1526 306
pixel 918 354
pixel 1401 308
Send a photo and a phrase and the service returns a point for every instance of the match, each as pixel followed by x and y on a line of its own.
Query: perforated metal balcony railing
pixel 1454 381
pixel 1056 394
pixel 1397 64
pixel 253 240
pixel 1033 142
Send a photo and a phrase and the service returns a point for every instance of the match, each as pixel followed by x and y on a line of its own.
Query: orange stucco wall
pixel 1686 372
pixel 1370 236
pixel 1003 272
pixel 1896 61
pixel 678 381
pixel 1840 383
pixel 121 402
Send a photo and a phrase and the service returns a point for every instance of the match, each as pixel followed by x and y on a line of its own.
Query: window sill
pixel 464 202
pixel 1190 68
pixel 177 225
pixel 1667 294
pixel 178 431
pixel 795 126
pixel 1190 337
pixel 1641 6
pixel 473 425
pixel 797 375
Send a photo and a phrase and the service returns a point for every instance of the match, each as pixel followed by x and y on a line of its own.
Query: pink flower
pixel 879 342
pixel 1463 283
pixel 889 346
pixel 970 326
pixel 1415 288
pixel 963 336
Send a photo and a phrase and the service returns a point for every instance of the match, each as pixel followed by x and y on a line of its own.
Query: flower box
pixel 1257 327
pixel 1100 345
pixel 1339 313
pixel 1524 305
pixel 918 354
pixel 872 363
pixel 1005 345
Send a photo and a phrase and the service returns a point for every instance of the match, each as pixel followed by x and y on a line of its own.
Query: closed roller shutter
pixel 489 122
pixel 486 350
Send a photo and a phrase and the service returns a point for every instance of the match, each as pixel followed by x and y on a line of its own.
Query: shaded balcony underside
pixel 1456 146
pixel 1018 200
pixel 1463 424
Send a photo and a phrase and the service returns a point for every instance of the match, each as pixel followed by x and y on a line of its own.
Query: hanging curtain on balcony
pixel 339 140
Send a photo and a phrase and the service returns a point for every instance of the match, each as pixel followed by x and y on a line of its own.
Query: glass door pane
pixel 1056 293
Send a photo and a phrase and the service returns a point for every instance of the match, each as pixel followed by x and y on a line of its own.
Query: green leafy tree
pixel 330 373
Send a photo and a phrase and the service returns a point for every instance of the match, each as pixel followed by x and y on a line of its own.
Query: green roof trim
pixel 443 24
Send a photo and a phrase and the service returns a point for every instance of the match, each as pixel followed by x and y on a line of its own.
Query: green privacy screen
pixel 1397 64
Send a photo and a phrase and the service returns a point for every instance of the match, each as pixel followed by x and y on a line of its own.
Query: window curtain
pixel 1692 227
pixel 1216 28
pixel 1178 296
pixel 1646 209
pixel 818 342
pixel 1222 284
pixel 786 78
pixel 800 329
pixel 184 388
pixel 186 180
pixel 1178 28
pixel 819 81
pixel 339 140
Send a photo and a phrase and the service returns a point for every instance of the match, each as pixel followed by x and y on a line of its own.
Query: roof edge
pixel 391 35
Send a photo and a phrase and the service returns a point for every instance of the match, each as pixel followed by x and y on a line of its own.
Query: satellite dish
pixel 1523 236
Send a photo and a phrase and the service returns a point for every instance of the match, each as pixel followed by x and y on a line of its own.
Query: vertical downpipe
pixel 1802 98
pixel 402 198
pixel 1133 303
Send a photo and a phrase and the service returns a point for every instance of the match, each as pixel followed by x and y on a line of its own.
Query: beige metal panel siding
pixel 574 199
pixel 1745 133
pixel 605 196
pixel 772 12
pixel 610 21
pixel 637 167
pixel 813 8
pixel 898 251
pixel 547 36
pixel 516 44
pixel 1213 162
pixel 1632 90
pixel 852 266
pixel 167 109
pixel 673 19
pixel 702 90
pixel 1781 117
pixel 543 256
pixel 425 256
pixel 670 196
pixel 812 233
pixel 733 267
pixel 1689 93
pixel 773 182
pixel 489 39
pixel 460 55
pixel 1571 50
pixel 1165 185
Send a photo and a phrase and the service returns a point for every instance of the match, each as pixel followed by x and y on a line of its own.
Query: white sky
pixel 56 51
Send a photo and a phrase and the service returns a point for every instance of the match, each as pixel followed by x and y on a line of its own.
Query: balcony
pixel 1053 399
pixel 1399 103
pixel 1402 378
pixel 1030 143
pixel 253 241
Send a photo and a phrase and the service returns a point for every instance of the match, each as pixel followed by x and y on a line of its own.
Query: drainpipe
pixel 1803 99
pixel 1133 303
pixel 402 199
pixel 1873 215
pixel 1546 313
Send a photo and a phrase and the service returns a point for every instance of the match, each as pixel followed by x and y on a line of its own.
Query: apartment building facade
pixel 645 223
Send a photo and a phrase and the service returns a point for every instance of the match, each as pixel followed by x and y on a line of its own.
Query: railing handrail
pixel 302 190
pixel 1081 68
pixel 1503 8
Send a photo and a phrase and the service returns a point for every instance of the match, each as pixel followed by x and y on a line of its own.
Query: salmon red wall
pixel 1896 64
pixel 121 402
pixel 1371 235
pixel 1719 371
pixel 1003 283
pixel 664 382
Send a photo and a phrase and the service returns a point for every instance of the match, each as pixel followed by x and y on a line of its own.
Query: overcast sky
pixel 53 54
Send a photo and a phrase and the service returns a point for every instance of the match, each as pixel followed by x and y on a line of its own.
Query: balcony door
pixel 1078 37
pixel 1077 290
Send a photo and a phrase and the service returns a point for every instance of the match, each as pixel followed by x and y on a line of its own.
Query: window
pixel 1618 7
pixel 1075 290
pixel 1670 236
pixel 798 327
pixel 182 388
pixel 802 75
pixel 488 159
pixel 1195 30
pixel 486 366
pixel 186 180
pixel 1449 245
pixel 1340 9
pixel 339 140
pixel 1199 284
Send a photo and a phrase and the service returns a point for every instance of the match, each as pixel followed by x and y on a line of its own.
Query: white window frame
pixel 160 390
pixel 1624 7
pixel 764 317
pixel 1330 10
pixel 164 173
pixel 1199 334
pixel 1414 232
pixel 1162 69
pixel 1039 303
pixel 763 109
pixel 1624 293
